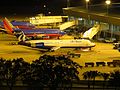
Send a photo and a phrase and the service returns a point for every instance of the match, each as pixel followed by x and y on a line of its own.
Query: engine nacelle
pixel 37 45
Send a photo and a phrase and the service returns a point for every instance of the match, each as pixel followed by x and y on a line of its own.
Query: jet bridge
pixel 68 24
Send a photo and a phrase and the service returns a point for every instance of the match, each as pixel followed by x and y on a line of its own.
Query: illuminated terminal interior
pixel 107 17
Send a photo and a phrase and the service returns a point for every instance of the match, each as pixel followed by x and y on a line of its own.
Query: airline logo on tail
pixel 8 26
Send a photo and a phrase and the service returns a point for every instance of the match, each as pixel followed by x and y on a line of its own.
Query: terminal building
pixel 108 18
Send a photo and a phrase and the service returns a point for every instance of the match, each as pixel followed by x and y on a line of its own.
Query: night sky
pixel 37 6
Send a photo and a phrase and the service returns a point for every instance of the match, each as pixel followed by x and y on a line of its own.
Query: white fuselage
pixel 64 43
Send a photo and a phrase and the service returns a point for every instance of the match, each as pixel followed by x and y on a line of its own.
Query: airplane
pixel 21 24
pixel 17 24
pixel 53 45
pixel 33 33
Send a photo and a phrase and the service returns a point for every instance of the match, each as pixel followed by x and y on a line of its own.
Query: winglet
pixel 8 26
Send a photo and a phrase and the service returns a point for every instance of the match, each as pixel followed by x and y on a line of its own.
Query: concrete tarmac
pixel 101 52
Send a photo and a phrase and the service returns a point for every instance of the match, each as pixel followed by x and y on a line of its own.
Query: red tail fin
pixel 8 26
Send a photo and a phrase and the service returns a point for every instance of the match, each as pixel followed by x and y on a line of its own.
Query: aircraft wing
pixel 54 48
pixel 2 30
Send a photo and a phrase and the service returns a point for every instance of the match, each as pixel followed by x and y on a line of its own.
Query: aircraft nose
pixel 93 44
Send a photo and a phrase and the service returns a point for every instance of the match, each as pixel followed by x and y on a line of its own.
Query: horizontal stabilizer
pixel 55 48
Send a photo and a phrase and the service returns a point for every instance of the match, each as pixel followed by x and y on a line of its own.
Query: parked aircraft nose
pixel 92 44
pixel 62 33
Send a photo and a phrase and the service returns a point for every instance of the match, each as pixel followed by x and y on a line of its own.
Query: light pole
pixel 87 2
pixel 44 6
pixel 68 3
pixel 108 2
pixel 45 9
